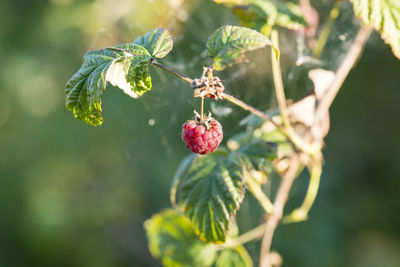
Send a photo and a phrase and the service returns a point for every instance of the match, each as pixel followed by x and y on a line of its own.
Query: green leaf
pixel 125 66
pixel 262 15
pixel 157 41
pixel 234 257
pixel 258 154
pixel 182 169
pixel 131 72
pixel 211 191
pixel 172 240
pixel 137 73
pixel 384 16
pixel 228 44
pixel 84 90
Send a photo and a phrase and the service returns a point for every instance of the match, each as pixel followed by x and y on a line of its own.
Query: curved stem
pixel 301 213
pixel 323 37
pixel 186 79
pixel 202 109
pixel 279 203
pixel 251 109
pixel 307 148
pixel 279 90
pixel 347 64
pixel 257 192
pixel 251 235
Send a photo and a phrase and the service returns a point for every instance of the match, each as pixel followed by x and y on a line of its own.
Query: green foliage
pixel 172 239
pixel 158 42
pixel 257 154
pixel 85 88
pixel 234 257
pixel 228 44
pixel 263 15
pixel 125 66
pixel 211 191
pixel 384 16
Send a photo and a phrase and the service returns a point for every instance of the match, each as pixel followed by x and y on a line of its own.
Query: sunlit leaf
pixel 137 73
pixel 131 72
pixel 157 41
pixel 384 16
pixel 262 15
pixel 228 44
pixel 257 154
pixel 230 3
pixel 182 169
pixel 234 257
pixel 124 66
pixel 211 191
pixel 172 240
pixel 84 90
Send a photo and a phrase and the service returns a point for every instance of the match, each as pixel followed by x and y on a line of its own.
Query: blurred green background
pixel 73 195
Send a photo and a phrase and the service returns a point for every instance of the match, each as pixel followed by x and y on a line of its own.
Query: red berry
pixel 199 139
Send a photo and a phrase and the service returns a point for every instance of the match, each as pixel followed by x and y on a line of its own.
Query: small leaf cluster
pixel 125 66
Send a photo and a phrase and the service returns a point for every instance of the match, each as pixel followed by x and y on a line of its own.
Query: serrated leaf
pixel 258 154
pixel 384 16
pixel 211 191
pixel 172 240
pixel 84 90
pixel 182 169
pixel 125 66
pixel 157 41
pixel 234 257
pixel 137 73
pixel 262 15
pixel 228 44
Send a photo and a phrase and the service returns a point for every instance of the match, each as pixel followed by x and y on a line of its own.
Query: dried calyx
pixel 208 86
pixel 206 122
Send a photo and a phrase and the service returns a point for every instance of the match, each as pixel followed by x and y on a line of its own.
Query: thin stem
pixel 251 235
pixel 251 109
pixel 290 133
pixel 186 79
pixel 281 98
pixel 202 109
pixel 279 90
pixel 325 32
pixel 279 203
pixel 257 192
pixel 347 64
pixel 301 213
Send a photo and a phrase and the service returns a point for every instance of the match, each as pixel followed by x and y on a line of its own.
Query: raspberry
pixel 202 138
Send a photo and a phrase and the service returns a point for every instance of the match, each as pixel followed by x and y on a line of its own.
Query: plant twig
pixel 279 90
pixel 323 37
pixel 202 108
pixel 347 64
pixel 300 214
pixel 310 149
pixel 251 109
pixel 279 203
pixel 251 235
pixel 257 192
pixel 186 79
